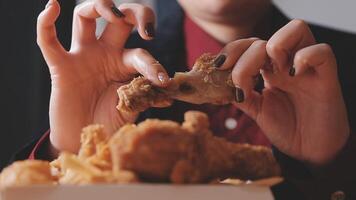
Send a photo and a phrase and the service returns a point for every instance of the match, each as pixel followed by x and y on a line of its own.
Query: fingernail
pixel 117 12
pixel 49 3
pixel 292 71
pixel 219 61
pixel 150 30
pixel 240 96
pixel 162 77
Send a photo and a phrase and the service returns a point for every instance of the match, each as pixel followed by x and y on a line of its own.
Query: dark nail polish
pixel 240 96
pixel 117 12
pixel 292 71
pixel 150 30
pixel 219 61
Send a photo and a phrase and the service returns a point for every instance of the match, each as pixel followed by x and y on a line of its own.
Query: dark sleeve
pixel 37 149
pixel 335 178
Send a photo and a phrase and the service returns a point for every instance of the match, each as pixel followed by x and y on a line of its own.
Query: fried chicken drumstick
pixel 203 84
pixel 189 153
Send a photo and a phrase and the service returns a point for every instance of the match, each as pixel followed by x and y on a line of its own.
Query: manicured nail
pixel 117 12
pixel 150 30
pixel 219 61
pixel 292 71
pixel 240 96
pixel 162 77
pixel 49 3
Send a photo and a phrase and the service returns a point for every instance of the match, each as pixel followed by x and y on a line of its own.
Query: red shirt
pixel 226 121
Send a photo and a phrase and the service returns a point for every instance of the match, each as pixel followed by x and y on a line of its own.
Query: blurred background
pixel 24 80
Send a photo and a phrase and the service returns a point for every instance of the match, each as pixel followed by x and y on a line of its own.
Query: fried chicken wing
pixel 167 151
pixel 203 84
pixel 28 172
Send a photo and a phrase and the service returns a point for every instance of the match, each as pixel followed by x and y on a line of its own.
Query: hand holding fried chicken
pixel 203 84
pixel 301 109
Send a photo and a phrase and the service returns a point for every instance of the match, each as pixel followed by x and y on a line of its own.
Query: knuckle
pixel 253 38
pixel 325 47
pixel 236 74
pixel 77 8
pixel 147 11
pixel 299 57
pixel 299 23
pixel 140 51
pixel 40 18
pixel 39 41
pixel 273 47
pixel 259 44
pixel 232 45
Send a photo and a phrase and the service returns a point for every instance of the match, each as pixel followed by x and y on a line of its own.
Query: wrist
pixel 329 151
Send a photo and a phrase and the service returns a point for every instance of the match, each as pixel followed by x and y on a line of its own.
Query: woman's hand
pixel 301 109
pixel 85 78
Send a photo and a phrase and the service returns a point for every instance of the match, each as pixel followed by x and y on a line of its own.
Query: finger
pixel 135 15
pixel 141 16
pixel 286 42
pixel 47 39
pixel 247 69
pixel 232 52
pixel 140 61
pixel 319 58
pixel 251 106
pixel 84 21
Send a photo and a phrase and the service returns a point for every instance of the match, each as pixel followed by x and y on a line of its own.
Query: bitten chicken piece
pixel 27 173
pixel 140 94
pixel 165 151
pixel 203 84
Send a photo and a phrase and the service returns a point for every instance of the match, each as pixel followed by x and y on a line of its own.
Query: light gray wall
pixel 339 14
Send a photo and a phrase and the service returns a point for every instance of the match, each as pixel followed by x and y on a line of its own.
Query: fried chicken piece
pixel 94 147
pixel 203 84
pixel 140 94
pixel 26 173
pixel 165 151
pixel 75 171
pixel 93 162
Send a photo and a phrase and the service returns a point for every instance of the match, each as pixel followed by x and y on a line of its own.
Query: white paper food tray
pixel 139 192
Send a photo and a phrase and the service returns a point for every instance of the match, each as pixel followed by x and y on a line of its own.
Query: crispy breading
pixel 76 171
pixel 166 151
pixel 94 147
pixel 27 172
pixel 93 162
pixel 140 94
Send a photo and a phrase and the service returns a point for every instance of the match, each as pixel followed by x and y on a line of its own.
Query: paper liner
pixel 267 182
